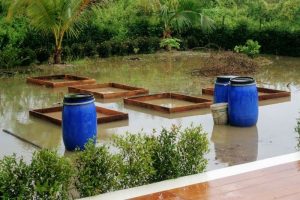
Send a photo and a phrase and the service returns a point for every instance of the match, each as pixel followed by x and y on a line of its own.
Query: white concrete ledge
pixel 197 178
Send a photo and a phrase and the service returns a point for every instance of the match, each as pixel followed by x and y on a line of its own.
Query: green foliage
pixel 136 153
pixel 96 170
pixel 48 176
pixel 170 43
pixel 251 48
pixel 192 147
pixel 51 175
pixel 297 130
pixel 14 178
pixel 136 26
pixel 180 152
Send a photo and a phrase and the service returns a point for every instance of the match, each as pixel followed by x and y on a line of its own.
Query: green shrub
pixel 146 45
pixel 9 57
pixel 47 177
pixel 104 49
pixel 66 54
pixel 251 48
pixel 166 156
pixel 135 152
pixel 180 152
pixel 27 56
pixel 96 170
pixel 51 175
pixel 43 54
pixel 192 147
pixel 170 43
pixel 14 178
pixel 77 50
pixel 90 49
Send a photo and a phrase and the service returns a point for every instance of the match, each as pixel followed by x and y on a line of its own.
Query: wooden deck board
pixel 278 182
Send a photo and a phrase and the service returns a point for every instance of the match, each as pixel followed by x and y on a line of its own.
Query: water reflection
pixel 273 136
pixel 235 145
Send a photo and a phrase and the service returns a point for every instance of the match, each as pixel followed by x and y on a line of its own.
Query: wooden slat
pixel 69 80
pixel 279 182
pixel 264 93
pixel 140 101
pixel 111 115
pixel 131 91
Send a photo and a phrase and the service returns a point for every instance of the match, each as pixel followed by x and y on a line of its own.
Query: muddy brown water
pixel 273 135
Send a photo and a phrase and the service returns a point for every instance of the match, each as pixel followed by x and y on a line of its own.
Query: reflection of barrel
pixel 235 145
pixel 242 102
pixel 79 120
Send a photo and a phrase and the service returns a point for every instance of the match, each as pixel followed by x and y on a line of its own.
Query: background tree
pixel 59 17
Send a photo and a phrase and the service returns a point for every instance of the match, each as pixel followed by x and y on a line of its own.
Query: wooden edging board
pixel 110 115
pixel 265 93
pixel 130 91
pixel 141 101
pixel 67 80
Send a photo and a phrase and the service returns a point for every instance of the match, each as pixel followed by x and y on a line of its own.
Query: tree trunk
pixel 57 55
pixel 167 33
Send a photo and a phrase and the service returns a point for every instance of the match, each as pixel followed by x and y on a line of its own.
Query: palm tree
pixel 179 15
pixel 59 17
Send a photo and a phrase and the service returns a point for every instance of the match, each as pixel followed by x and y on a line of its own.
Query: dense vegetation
pixel 121 27
pixel 139 159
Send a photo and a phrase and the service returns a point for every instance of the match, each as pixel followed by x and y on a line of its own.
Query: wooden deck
pixel 268 179
pixel 279 182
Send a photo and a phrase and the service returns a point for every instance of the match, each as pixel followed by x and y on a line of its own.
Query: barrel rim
pixel 242 81
pixel 224 79
pixel 78 98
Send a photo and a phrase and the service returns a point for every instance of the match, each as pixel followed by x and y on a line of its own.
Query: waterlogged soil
pixel 273 135
pixel 169 102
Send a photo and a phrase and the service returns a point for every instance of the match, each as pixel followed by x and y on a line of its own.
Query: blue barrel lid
pixel 78 98
pixel 224 78
pixel 242 80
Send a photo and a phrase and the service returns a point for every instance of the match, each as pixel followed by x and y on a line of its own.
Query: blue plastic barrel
pixel 79 120
pixel 243 102
pixel 221 89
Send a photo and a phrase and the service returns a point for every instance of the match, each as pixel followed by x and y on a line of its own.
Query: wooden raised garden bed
pixel 62 80
pixel 169 102
pixel 54 115
pixel 263 93
pixel 109 90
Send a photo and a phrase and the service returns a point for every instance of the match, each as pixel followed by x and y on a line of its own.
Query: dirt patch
pixel 226 63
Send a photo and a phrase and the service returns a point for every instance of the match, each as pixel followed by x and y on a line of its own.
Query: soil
pixel 226 63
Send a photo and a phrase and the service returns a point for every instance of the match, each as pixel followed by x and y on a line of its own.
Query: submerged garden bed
pixel 54 115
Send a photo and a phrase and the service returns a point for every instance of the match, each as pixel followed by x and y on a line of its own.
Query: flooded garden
pixel 273 135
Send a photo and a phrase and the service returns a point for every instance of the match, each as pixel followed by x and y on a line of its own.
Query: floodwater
pixel 273 135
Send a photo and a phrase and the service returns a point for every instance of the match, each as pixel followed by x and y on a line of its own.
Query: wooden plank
pixel 68 80
pixel 128 90
pixel 278 182
pixel 141 101
pixel 109 115
pixel 264 93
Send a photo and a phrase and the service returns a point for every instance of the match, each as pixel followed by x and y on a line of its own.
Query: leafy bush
pixel 43 54
pixel 96 170
pixel 251 48
pixel 47 177
pixel 51 175
pixel 136 154
pixel 104 49
pixel 140 159
pixel 27 56
pixel 170 43
pixel 90 49
pixel 77 50
pixel 14 178
pixel 180 153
